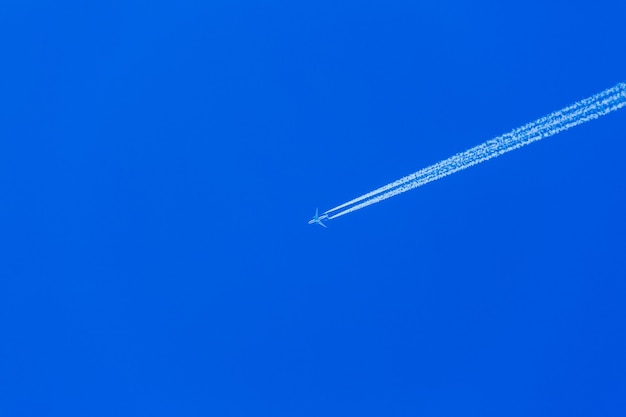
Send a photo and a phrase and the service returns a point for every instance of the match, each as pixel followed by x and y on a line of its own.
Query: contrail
pixel 578 113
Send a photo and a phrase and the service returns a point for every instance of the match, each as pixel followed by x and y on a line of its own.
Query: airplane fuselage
pixel 318 219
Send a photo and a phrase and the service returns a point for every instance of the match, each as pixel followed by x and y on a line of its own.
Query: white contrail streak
pixel 551 120
pixel 578 113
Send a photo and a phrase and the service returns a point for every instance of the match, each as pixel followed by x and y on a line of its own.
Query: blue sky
pixel 160 161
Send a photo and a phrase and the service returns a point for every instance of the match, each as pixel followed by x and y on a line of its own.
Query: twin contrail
pixel 578 113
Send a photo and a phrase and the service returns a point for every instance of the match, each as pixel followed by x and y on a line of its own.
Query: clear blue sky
pixel 159 162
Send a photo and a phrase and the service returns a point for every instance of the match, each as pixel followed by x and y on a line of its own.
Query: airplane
pixel 318 219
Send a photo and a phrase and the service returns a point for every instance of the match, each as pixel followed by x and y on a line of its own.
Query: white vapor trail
pixel 578 113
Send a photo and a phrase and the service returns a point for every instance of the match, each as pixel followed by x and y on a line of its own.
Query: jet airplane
pixel 318 219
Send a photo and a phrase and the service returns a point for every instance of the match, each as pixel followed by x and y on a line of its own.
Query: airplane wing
pixel 322 224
